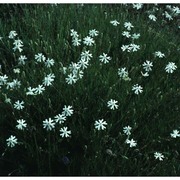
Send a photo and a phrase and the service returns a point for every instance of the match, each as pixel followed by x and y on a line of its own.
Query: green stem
pixel 37 153
pixel 49 158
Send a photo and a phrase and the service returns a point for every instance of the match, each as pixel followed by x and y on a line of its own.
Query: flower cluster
pixel 127 131
pixel 130 48
pixel 40 58
pixel 49 124
pixel 18 44
pixel 147 66
pixel 77 69
pixel 35 91
pixel 76 41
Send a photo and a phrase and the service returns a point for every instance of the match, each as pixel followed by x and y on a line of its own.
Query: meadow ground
pixel 89 90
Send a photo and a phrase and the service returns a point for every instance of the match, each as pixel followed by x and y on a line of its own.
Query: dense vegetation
pixel 107 73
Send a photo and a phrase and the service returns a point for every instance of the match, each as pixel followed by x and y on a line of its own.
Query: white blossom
pixel 19 105
pixel 159 156
pixel 137 89
pixel 11 141
pixel 100 124
pixel 48 124
pixel 64 132
pixel 112 104
pixel 170 67
pixel 21 124
pixel 131 143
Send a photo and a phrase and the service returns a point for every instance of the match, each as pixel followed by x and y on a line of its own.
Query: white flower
pixel 60 118
pixel 8 100
pixel 159 156
pixel 147 66
pixel 175 134
pixel 48 124
pixel 83 63
pixel 131 142
pixel 12 34
pixel 64 132
pixel 114 22
pixel 88 41
pixel 145 74
pixel 170 67
pixel 11 141
pixel 21 60
pixel 64 70
pixel 76 42
pixel 31 91
pixel 168 16
pixel 74 67
pixel 124 47
pixel 133 47
pixel 152 17
pixel 3 79
pixel 100 124
pixel 104 58
pixel 135 36
pixel 128 26
pixel 80 74
pixel 48 79
pixel 40 89
pixel 126 34
pixel 127 130
pixel 122 72
pixel 112 104
pixel 74 33
pixel 71 79
pixel 40 57
pixel 19 105
pixel 159 54
pixel 14 84
pixel 86 55
pixel 67 110
pixel 18 44
pixel 176 10
pixel 168 7
pixel 137 6
pixel 21 124
pixel 16 70
pixel 137 89
pixel 49 62
pixel 93 33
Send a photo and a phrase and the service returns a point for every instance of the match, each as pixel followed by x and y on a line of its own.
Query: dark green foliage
pixel 153 115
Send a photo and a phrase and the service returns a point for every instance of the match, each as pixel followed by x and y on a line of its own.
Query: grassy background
pixel 152 115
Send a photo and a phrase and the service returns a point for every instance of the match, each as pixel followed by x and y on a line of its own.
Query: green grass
pixel 153 115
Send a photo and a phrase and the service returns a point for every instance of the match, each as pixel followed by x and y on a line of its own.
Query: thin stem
pixel 49 158
pixel 37 153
